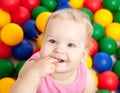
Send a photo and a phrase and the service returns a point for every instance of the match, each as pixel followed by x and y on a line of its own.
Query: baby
pixel 60 66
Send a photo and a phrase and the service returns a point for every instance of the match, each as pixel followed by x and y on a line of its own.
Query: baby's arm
pixel 90 84
pixel 31 74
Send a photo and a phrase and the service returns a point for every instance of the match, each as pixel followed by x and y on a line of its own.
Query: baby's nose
pixel 58 50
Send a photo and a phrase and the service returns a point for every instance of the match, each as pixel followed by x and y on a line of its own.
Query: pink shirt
pixel 49 85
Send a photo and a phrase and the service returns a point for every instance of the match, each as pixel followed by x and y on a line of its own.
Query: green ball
pixel 117 16
pixel 98 31
pixel 36 11
pixel 118 53
pixel 49 4
pixel 111 5
pixel 88 12
pixel 116 68
pixel 18 67
pixel 6 68
pixel 108 45
pixel 103 91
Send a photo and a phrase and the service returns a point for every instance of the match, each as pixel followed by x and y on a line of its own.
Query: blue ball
pixel 23 50
pixel 30 30
pixel 102 61
pixel 63 6
pixel 63 1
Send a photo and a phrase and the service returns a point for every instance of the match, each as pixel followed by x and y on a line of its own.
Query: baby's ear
pixel 86 52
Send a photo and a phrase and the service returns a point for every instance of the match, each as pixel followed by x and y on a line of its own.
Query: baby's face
pixel 65 41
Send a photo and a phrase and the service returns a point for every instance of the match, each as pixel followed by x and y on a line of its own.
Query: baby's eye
pixel 71 45
pixel 52 41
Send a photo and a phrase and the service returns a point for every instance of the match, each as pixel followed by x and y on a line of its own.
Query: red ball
pixel 108 80
pixel 21 15
pixel 93 5
pixel 93 47
pixel 9 5
pixel 30 4
pixel 5 51
pixel 37 50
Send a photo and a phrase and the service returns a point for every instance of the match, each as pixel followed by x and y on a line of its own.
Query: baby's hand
pixel 38 69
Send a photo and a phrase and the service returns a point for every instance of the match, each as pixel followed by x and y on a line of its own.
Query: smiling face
pixel 65 41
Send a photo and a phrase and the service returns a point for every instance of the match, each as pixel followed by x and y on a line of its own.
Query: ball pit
pixel 108 80
pixel 11 37
pixel 6 84
pixel 102 61
pixel 103 14
pixel 5 18
pixel 103 17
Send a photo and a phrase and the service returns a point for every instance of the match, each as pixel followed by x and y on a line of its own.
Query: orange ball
pixel 39 40
pixel 76 3
pixel 103 17
pixel 113 31
pixel 12 34
pixel 41 20
pixel 5 18
pixel 89 62
pixel 6 84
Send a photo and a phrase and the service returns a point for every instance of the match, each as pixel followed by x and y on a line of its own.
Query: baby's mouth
pixel 61 60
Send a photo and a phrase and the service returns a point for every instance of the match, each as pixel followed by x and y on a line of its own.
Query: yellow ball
pixel 41 20
pixel 76 3
pixel 6 84
pixel 5 18
pixel 103 17
pixel 95 78
pixel 113 31
pixel 39 40
pixel 89 62
pixel 12 34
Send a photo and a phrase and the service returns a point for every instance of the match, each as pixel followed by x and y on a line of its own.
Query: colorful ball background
pixel 22 24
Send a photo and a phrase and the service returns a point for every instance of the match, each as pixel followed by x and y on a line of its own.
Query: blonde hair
pixel 73 15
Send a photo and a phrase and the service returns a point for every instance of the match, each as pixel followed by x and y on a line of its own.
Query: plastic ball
pixel 116 16
pixel 41 20
pixel 103 17
pixel 5 51
pixel 76 3
pixel 20 15
pixel 108 45
pixel 63 6
pixel 89 62
pixel 108 80
pixel 95 78
pixel 6 84
pixel 23 50
pixel 98 31
pixel 63 1
pixel 30 4
pixel 18 67
pixel 6 68
pixel 5 18
pixel 93 5
pixel 88 12
pixel 102 61
pixel 37 50
pixel 49 4
pixel 113 31
pixel 36 11
pixel 30 30
pixel 39 40
pixel 103 91
pixel 12 34
pixel 111 5
pixel 118 53
pixel 93 47
pixel 116 68
pixel 9 5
